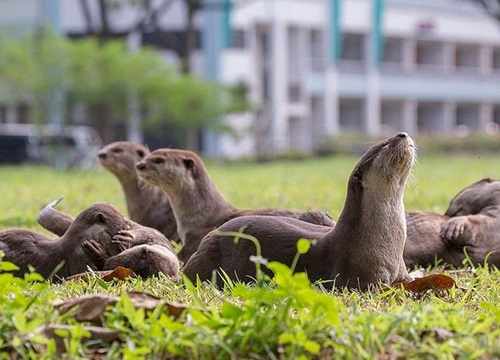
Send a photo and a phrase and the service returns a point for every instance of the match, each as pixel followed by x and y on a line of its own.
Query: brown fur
pixel 198 205
pixel 136 234
pixel 144 250
pixel 365 247
pixel 98 223
pixel 146 204
pixel 471 223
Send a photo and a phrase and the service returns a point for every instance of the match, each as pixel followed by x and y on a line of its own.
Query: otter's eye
pixel 140 153
pixel 117 150
pixel 357 176
pixel 158 160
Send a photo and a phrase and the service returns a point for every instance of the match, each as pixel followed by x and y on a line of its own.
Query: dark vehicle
pixel 70 146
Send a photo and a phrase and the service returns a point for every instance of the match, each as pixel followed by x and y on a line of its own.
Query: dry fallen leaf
pixel 91 307
pixel 88 308
pixel 430 282
pixel 96 333
pixel 120 273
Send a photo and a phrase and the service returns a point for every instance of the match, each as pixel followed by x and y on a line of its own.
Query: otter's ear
pixel 357 177
pixel 188 163
pixel 99 218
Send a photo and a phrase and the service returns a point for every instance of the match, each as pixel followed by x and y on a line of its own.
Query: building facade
pixel 315 68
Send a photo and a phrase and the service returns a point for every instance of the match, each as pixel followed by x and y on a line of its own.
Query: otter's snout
pixel 140 165
pixel 402 135
pixel 101 155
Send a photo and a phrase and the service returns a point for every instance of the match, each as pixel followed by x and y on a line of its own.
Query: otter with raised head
pixel 146 204
pixel 99 223
pixel 365 247
pixel 471 224
pixel 198 205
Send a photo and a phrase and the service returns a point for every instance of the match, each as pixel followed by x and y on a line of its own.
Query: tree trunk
pixel 105 31
pixel 87 16
pixel 190 40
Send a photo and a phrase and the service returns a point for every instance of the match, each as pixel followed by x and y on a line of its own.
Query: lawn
pixel 287 318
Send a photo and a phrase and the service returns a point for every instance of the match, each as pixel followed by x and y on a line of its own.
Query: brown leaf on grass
pixel 96 333
pixel 149 302
pixel 92 307
pixel 87 308
pixel 120 273
pixel 431 282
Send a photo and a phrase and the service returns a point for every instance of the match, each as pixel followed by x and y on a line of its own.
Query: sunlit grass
pixel 281 320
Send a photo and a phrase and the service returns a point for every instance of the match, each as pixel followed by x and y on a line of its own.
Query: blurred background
pixel 245 78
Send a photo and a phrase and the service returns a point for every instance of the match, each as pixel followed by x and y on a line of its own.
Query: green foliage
pixel 104 76
pixel 472 143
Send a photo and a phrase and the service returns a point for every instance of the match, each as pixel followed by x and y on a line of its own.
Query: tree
pixel 491 6
pixel 101 76
pixel 148 14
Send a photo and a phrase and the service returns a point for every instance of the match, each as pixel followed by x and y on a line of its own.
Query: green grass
pixel 287 318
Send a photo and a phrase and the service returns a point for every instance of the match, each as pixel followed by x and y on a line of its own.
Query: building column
pixel 449 50
pixel 134 120
pixel 10 114
pixel 373 108
pixel 485 116
pixel 331 101
pixel 279 85
pixel 410 117
pixel 409 54
pixel 449 117
pixel 486 59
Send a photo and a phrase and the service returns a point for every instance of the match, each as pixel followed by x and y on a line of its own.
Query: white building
pixel 439 70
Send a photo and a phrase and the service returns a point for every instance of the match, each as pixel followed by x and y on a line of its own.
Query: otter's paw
pixel 124 239
pixel 95 251
pixel 453 228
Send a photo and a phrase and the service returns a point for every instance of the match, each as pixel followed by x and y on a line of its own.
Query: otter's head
pixel 377 182
pixel 474 198
pixel 147 261
pixel 385 167
pixel 99 222
pixel 172 170
pixel 120 157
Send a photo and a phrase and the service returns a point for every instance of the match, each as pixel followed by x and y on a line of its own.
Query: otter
pixel 146 204
pixel 136 234
pixel 99 223
pixel 365 247
pixel 471 224
pixel 144 250
pixel 198 205
pixel 424 246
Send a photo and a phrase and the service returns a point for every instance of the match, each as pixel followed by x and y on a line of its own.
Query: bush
pixel 352 143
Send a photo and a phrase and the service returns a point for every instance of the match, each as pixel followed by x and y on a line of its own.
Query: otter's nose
pixel 140 165
pixel 402 135
pixel 101 155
